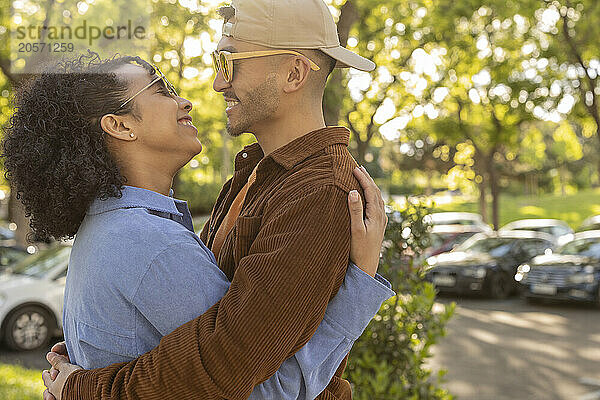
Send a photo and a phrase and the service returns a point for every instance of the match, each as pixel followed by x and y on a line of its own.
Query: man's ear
pixel 298 71
pixel 117 127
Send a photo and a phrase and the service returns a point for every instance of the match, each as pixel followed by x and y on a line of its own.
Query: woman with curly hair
pixel 92 150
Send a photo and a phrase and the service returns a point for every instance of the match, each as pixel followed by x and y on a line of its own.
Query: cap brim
pixel 348 59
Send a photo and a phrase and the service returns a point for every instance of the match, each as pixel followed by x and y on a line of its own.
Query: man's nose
pixel 220 84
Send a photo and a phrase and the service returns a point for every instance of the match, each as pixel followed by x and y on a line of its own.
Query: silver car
pixel 31 299
pixel 555 227
pixel 457 218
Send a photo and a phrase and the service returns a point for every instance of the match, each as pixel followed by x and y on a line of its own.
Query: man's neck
pixel 283 131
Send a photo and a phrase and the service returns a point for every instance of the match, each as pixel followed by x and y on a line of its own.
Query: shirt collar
pixel 303 147
pixel 248 157
pixel 134 197
pixel 297 150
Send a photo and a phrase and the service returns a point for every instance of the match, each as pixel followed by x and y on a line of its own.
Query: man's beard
pixel 260 103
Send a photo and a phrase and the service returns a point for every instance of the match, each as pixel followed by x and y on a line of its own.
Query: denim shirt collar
pixel 134 197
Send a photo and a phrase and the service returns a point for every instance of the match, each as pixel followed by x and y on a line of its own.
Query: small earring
pixel 131 135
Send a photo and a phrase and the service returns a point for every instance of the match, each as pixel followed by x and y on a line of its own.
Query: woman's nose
pixel 186 104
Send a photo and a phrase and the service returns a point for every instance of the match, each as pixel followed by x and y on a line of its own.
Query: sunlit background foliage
pixel 487 105
pixel 487 97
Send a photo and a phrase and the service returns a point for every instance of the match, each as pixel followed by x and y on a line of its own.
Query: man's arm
pixel 275 303
pixel 308 372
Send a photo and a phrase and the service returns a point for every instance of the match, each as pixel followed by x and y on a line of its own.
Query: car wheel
pixel 28 328
pixel 500 286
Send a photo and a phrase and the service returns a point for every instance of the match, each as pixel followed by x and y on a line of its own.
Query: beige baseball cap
pixel 291 24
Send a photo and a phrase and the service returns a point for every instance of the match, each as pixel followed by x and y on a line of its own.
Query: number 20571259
pixel 49 47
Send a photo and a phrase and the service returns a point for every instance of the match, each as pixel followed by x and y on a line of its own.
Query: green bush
pixel 388 361
pixel 201 197
pixel 400 189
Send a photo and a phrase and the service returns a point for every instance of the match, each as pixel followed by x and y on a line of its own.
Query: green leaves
pixel 482 73
pixel 388 361
pixel 18 383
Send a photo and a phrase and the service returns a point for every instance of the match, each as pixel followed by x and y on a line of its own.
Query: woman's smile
pixel 187 121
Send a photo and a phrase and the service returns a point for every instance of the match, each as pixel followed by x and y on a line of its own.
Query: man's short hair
pixel 324 61
pixel 226 12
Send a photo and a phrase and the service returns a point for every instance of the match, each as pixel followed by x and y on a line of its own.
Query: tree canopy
pixel 481 96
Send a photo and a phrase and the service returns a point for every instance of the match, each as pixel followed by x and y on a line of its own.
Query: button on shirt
pixel 138 271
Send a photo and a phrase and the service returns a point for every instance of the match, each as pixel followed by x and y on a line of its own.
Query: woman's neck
pixel 150 177
pixel 154 186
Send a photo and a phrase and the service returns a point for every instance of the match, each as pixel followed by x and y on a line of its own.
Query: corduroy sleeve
pixel 276 301
pixel 203 235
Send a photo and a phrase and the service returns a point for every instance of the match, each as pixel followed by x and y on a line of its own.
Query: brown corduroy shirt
pixel 286 256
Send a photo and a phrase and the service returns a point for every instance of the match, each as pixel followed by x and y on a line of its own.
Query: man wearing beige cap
pixel 280 229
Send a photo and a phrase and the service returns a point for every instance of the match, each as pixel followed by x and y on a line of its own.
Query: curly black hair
pixel 54 149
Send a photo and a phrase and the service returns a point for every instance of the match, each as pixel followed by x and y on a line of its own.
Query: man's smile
pixel 231 103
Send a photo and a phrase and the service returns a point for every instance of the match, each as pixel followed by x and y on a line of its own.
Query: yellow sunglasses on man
pixel 223 60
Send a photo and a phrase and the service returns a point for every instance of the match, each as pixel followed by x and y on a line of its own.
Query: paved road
pixel 509 349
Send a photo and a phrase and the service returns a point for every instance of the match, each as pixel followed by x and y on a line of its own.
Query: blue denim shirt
pixel 138 271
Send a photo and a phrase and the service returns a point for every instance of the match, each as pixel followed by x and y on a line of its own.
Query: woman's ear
pixel 117 127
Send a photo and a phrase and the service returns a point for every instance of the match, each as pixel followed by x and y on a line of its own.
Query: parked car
pixel 555 227
pixel 444 238
pixel 457 218
pixel 590 224
pixel 6 234
pixel 487 263
pixel 31 298
pixel 572 273
pixel 9 255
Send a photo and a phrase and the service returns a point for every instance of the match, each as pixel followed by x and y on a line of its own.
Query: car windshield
pixel 39 264
pixel 448 239
pixel 495 247
pixel 591 227
pixel 546 229
pixel 454 221
pixel 584 247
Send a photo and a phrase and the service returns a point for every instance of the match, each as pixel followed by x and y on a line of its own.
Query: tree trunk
pixel 483 201
pixel 576 55
pixel 429 186
pixel 563 180
pixel 597 122
pixel 16 213
pixel 495 190
pixel 481 170
pixel 334 92
pixel 361 151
